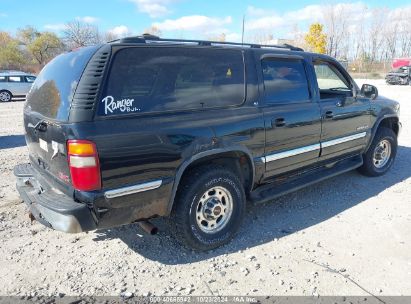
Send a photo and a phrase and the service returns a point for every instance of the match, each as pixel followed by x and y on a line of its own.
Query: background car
pixel 15 85
pixel 400 76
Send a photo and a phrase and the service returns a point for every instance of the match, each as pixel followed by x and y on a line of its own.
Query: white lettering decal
pixel 55 147
pixel 124 105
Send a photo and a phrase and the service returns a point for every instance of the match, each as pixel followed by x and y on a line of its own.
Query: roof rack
pixel 147 38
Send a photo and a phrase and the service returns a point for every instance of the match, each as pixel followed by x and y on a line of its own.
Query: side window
pixel 164 78
pixel 30 79
pixel 331 82
pixel 285 80
pixel 15 79
pixel 3 79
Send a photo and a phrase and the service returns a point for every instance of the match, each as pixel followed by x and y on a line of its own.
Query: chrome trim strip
pixel 343 140
pixel 276 156
pixel 294 152
pixel 133 189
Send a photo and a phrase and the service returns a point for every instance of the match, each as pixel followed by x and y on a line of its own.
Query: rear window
pixel 53 89
pixel 3 79
pixel 285 81
pixel 164 78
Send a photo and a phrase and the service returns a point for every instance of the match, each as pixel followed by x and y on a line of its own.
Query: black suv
pixel 145 127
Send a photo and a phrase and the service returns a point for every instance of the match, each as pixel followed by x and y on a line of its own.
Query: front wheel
pixel 209 208
pixel 381 153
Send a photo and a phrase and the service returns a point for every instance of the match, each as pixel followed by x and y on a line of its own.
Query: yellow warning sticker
pixel 228 72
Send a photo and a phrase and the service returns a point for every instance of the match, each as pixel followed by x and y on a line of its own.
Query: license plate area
pixel 43 145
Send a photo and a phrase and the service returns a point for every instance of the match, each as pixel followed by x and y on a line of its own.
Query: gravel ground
pixel 350 235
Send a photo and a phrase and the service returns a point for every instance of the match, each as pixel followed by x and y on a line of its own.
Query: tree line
pixel 376 34
pixel 30 49
pixel 360 35
pixel 368 38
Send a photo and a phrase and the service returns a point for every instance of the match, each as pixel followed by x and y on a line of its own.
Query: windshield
pixel 402 69
pixel 53 90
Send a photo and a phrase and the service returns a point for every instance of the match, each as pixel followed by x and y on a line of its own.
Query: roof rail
pixel 147 38
pixel 12 72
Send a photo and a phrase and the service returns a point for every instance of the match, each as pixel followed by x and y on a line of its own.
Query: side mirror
pixel 369 91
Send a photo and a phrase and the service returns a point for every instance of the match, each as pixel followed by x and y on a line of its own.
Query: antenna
pixel 242 35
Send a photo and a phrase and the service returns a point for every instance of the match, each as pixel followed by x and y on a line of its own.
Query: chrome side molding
pixel 342 140
pixel 290 153
pixel 314 147
pixel 133 189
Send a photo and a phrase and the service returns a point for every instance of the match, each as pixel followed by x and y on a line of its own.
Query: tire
pixel 376 162
pixel 5 96
pixel 211 189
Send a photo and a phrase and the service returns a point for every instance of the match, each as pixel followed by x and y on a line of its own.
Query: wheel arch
pixel 390 121
pixel 236 159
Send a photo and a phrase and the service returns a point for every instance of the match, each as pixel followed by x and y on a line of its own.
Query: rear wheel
pixel 209 208
pixel 5 96
pixel 381 153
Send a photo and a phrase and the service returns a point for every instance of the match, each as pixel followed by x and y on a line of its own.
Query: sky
pixel 176 18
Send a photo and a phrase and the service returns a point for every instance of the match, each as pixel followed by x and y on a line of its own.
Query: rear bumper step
pixel 51 207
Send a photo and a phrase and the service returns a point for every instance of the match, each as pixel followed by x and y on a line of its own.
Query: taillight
pixel 84 165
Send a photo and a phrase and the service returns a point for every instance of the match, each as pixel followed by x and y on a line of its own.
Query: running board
pixel 273 190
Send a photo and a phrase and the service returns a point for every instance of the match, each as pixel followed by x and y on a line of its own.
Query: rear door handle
pixel 329 114
pixel 279 122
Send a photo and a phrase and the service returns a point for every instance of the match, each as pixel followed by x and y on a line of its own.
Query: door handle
pixel 329 114
pixel 279 122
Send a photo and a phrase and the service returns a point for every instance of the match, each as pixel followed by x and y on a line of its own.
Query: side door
pixel 17 85
pixel 345 116
pixel 291 116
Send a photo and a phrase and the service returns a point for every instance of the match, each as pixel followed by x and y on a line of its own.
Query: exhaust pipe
pixel 148 227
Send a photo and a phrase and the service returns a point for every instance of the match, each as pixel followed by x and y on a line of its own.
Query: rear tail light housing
pixel 84 165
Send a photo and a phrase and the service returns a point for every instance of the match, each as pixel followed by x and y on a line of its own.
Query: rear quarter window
pixel 164 78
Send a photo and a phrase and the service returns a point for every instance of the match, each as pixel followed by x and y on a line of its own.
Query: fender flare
pixel 377 125
pixel 192 159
